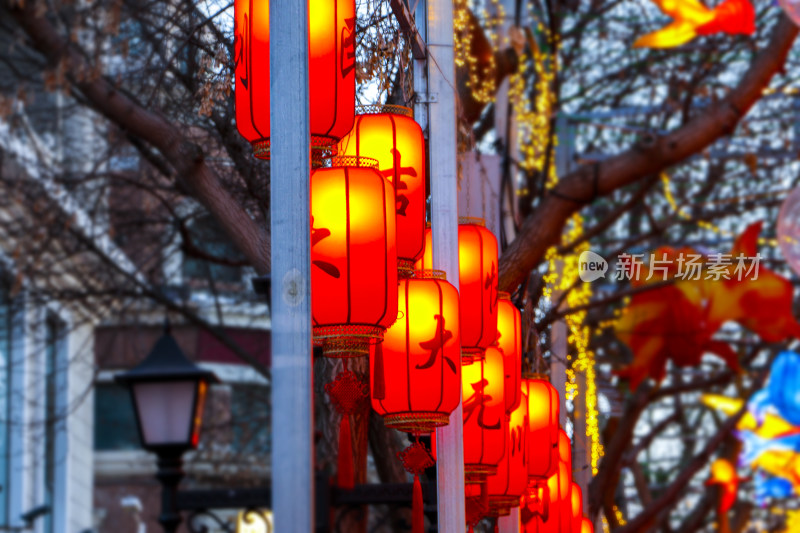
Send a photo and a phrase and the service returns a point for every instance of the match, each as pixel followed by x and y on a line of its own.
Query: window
pixel 51 338
pixel 54 423
pixel 250 419
pixel 114 419
pixel 209 239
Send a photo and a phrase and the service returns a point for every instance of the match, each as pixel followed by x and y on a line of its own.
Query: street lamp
pixel 168 393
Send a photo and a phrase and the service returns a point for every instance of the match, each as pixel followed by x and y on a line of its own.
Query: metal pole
pixel 169 474
pixel 444 223
pixel 292 406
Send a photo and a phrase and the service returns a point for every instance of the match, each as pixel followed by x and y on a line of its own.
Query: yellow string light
pixel 579 334
pixel 682 213
pixel 533 117
pixel 481 81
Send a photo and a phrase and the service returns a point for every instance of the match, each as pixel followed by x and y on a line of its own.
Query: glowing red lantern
pixel 485 422
pixel 477 282
pixel 576 499
pixel 392 137
pixel 353 257
pixel 587 526
pixel 353 278
pixel 509 483
pixel 416 370
pixel 543 413
pixel 331 67
pixel 554 514
pixel 509 340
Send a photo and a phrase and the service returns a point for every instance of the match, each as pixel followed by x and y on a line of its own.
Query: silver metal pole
pixel 444 222
pixel 292 414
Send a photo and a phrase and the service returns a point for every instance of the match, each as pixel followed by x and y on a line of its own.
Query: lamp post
pixel 168 393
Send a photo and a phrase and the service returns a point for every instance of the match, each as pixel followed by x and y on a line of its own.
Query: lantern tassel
pixel 496 525
pixel 417 514
pixel 378 378
pixel 345 475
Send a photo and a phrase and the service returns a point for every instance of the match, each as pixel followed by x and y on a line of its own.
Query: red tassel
pixel 433 445
pixel 417 514
pixel 496 525
pixel 345 476
pixel 378 378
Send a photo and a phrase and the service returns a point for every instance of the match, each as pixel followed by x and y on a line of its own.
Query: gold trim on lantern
pixel 503 295
pixel 430 274
pixel 476 473
pixel 422 422
pixel 472 355
pixel 405 268
pixel 346 340
pixel 384 109
pixel 322 148
pixel 354 161
pixel 472 220
pixel 501 505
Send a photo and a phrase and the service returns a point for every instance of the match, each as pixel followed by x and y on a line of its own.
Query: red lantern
pixel 543 414
pixel 416 370
pixel 554 514
pixel 392 137
pixel 353 278
pixel 353 257
pixel 485 422
pixel 576 508
pixel 509 340
pixel 587 526
pixel 331 67
pixel 477 282
pixel 511 479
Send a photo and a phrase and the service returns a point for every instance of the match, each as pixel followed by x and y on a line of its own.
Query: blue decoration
pixel 782 393
pixel 771 488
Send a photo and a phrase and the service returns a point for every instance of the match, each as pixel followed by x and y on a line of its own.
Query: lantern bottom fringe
pixel 477 473
pixel 472 355
pixel 417 511
pixel 419 422
pixel 504 501
pixel 345 475
pixel 346 340
pixel 322 148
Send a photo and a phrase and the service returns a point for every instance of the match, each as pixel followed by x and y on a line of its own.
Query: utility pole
pixel 441 97
pixel 292 383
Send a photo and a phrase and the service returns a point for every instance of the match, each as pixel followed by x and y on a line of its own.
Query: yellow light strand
pixel 533 117
pixel 579 334
pixel 682 213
